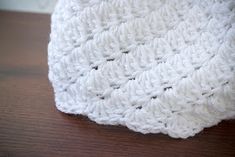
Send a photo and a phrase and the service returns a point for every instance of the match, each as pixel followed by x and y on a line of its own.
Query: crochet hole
pixel 99 95
pixel 90 38
pixel 203 93
pixel 114 86
pixel 198 29
pixel 139 107
pixel 231 68
pixel 211 95
pixel 133 78
pixel 175 51
pixel 212 56
pixel 158 58
pixel 126 52
pixel 95 67
pixel 154 97
pixel 225 83
pixel 197 68
pixel 110 59
pixel 166 88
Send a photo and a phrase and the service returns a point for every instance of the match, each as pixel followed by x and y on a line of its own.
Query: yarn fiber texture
pixel 154 66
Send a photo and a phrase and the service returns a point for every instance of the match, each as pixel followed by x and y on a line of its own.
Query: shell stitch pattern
pixel 152 65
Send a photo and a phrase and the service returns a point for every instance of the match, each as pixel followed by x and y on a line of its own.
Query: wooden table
pixel 31 126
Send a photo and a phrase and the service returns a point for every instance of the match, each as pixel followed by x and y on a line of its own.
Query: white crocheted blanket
pixel 152 65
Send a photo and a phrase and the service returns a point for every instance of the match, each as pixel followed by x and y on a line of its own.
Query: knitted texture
pixel 152 65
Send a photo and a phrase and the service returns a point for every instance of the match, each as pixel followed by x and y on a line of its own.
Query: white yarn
pixel 151 65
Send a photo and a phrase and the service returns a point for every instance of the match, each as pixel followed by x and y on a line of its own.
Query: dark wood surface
pixel 31 126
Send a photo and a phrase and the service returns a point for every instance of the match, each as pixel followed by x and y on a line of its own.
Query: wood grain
pixel 30 125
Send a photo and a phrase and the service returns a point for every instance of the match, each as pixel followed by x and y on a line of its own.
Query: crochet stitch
pixel 152 65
